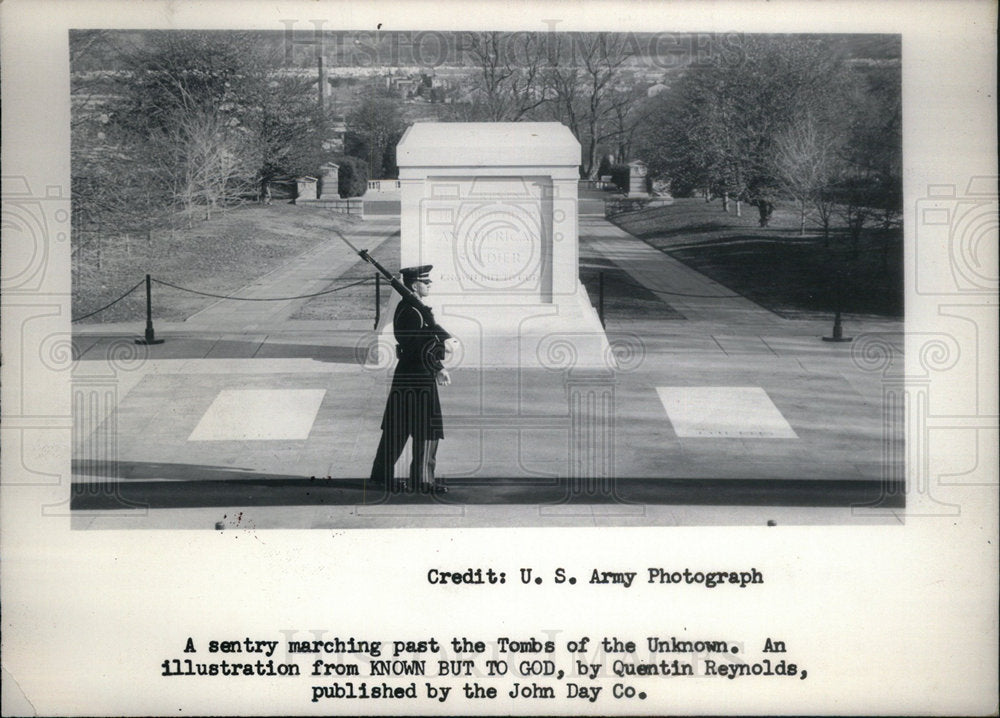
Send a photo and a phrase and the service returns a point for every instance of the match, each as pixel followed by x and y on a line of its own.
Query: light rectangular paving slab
pixel 724 411
pixel 259 415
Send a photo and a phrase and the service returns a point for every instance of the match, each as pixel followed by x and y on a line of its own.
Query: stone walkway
pixel 309 272
pixel 696 296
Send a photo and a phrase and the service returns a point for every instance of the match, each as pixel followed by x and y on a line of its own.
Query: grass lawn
pixel 220 255
pixel 355 302
pixel 623 297
pixel 789 274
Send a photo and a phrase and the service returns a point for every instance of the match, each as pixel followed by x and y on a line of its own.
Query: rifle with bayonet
pixel 440 334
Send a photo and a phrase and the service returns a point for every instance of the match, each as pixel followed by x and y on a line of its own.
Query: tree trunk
pixel 725 202
pixel 590 169
pixel 739 207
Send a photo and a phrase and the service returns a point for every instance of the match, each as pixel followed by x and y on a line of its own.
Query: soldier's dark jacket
pixel 413 406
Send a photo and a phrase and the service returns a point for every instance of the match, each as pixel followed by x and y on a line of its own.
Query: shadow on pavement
pixel 126 484
pixel 180 347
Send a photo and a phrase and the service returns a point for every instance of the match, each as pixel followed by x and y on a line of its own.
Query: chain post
pixel 150 334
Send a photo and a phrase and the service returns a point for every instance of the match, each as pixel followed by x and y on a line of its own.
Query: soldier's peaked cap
pixel 412 273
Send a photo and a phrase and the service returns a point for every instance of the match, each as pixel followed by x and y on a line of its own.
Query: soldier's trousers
pixel 421 465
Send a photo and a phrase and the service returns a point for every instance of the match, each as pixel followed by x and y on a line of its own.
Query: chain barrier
pixel 348 286
pixel 108 306
pixel 261 299
pixel 219 296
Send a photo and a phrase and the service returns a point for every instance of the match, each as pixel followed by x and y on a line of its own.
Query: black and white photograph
pixel 652 253
pixel 535 358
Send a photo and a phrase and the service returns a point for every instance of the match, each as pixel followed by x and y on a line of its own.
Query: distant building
pixel 656 89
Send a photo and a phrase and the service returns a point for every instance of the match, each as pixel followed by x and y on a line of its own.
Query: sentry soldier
pixel 413 409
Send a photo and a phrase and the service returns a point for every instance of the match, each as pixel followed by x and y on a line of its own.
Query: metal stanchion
pixel 150 335
pixel 378 299
pixel 838 329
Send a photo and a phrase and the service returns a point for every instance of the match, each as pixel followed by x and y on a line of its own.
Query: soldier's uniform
pixel 413 408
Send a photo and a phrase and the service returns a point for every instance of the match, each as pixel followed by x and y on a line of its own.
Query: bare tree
pixel 855 194
pixel 205 160
pixel 825 204
pixel 804 163
pixel 630 111
pixel 509 84
pixel 190 85
pixel 584 82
